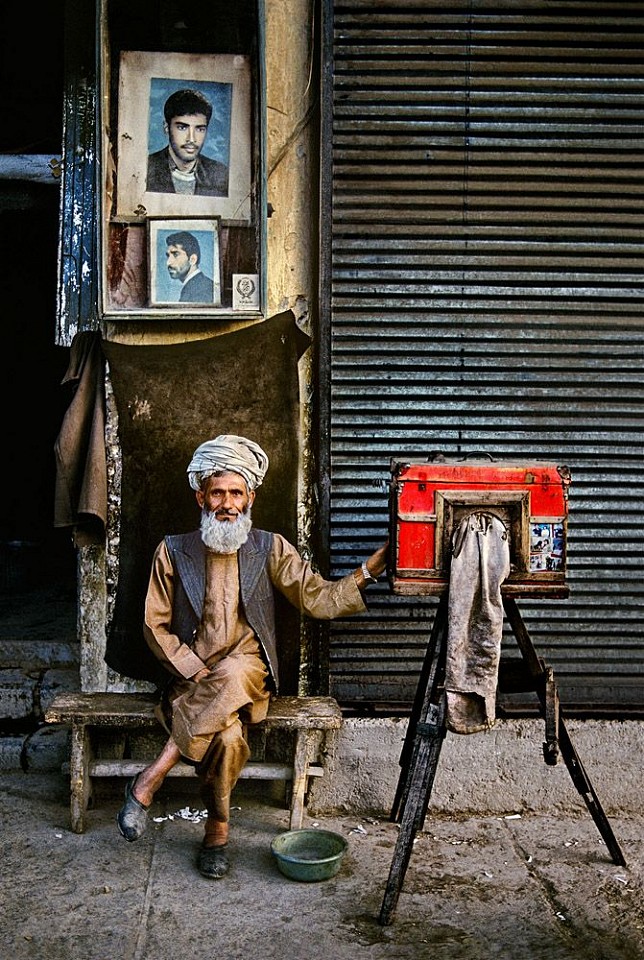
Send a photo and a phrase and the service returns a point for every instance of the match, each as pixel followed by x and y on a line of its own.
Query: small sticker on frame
pixel 245 291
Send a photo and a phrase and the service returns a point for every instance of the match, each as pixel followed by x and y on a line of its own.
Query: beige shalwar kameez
pixel 207 717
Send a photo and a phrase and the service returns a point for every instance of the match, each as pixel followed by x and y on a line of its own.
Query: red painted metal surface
pixel 428 500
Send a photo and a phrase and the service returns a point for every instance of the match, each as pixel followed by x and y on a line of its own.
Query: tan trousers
pixel 208 718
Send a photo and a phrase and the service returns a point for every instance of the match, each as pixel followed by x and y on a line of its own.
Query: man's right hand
pixel 200 674
pixel 377 562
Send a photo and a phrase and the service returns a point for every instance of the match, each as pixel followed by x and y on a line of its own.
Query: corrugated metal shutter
pixel 483 291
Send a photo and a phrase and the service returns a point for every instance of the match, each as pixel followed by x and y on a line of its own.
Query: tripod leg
pixel 423 764
pixel 584 786
pixel 431 676
pixel 574 764
pixel 552 709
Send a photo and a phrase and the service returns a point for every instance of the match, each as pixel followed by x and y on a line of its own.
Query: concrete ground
pixel 511 888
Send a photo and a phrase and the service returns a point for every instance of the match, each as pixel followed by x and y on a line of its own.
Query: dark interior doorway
pixel 37 563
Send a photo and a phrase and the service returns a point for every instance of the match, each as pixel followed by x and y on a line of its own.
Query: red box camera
pixel 429 500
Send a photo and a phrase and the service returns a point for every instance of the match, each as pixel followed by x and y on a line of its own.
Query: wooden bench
pixel 311 719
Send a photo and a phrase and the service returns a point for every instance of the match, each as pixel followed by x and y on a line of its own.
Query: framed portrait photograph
pixel 184 136
pixel 184 265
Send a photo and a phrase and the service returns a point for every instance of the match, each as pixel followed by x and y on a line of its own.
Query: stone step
pixel 33 654
pixel 25 694
pixel 26 741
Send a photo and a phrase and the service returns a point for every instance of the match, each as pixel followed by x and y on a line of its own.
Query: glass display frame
pixel 134 86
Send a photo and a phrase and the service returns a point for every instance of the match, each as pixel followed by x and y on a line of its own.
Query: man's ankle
pixel 216 833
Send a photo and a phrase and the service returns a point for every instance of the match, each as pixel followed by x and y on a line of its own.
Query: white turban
pixel 231 454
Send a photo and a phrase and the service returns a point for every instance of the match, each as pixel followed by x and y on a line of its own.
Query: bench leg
pixel 303 756
pixel 80 785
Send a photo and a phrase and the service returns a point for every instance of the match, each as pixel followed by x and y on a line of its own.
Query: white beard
pixel 225 536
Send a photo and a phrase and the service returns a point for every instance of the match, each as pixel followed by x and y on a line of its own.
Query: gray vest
pixel 188 556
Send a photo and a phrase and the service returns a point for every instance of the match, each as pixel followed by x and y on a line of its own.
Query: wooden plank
pixel 41 168
pixel 304 713
pixel 256 770
pixel 303 755
pixel 102 709
pixel 122 709
pixel 80 782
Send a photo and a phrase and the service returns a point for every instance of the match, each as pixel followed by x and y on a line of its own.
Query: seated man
pixel 210 619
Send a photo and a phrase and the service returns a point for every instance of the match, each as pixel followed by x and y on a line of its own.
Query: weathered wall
pixel 292 155
pixel 292 120
pixel 499 772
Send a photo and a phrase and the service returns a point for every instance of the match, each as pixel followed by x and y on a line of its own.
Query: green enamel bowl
pixel 309 855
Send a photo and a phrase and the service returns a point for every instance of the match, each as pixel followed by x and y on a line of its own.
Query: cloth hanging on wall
pixel 480 563
pixel 80 496
pixel 171 398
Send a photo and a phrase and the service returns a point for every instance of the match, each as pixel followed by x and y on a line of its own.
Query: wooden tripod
pixel 426 732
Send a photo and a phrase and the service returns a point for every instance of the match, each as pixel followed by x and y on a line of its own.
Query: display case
pixel 181 172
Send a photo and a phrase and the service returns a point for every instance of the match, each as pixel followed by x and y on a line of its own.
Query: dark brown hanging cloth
pixel 170 399
pixel 80 495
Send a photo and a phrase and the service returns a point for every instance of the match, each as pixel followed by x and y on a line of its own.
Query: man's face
pixel 226 496
pixel 178 262
pixel 186 135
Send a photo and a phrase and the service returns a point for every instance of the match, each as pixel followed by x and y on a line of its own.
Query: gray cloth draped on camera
pixel 480 564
